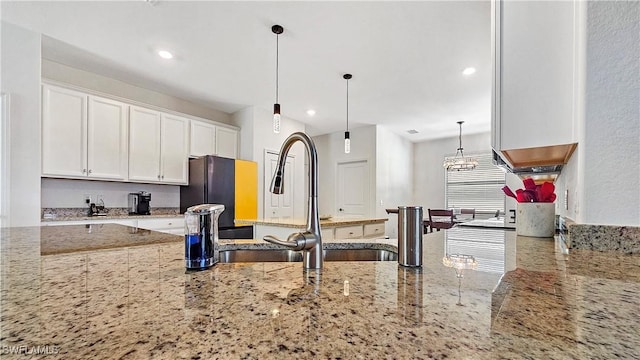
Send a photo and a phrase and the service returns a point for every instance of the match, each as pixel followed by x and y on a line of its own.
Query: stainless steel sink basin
pixel 283 255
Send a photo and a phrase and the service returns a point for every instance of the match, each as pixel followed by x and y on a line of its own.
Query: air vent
pixel 412 131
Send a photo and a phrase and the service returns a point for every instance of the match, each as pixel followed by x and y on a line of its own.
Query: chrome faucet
pixel 309 241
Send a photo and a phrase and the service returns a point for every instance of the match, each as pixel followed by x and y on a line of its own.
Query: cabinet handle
pixel 162 177
pixel 158 177
pixel 84 171
pixel 89 171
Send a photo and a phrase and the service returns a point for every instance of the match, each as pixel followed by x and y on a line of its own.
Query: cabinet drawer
pixel 349 232
pixel 157 224
pixel 373 230
pixel 327 234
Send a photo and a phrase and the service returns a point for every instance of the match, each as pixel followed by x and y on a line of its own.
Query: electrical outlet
pixel 87 199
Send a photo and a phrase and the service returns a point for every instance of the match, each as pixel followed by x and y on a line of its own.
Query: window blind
pixel 480 189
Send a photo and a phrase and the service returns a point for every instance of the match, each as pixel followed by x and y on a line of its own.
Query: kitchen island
pixel 527 298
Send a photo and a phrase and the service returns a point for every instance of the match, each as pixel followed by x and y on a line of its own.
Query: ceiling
pixel 406 57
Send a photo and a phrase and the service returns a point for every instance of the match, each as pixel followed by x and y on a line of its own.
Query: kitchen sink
pixel 284 255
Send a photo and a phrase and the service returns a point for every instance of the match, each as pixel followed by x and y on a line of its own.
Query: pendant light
pixel 276 29
pixel 347 140
pixel 459 162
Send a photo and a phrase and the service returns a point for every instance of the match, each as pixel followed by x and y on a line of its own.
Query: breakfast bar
pixel 132 298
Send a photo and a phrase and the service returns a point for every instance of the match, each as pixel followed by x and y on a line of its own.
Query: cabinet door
pixel 535 73
pixel 203 139
pixel 107 129
pixel 144 144
pixel 175 150
pixel 226 142
pixel 64 133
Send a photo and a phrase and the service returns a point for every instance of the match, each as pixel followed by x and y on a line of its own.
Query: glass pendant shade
pixel 276 118
pixel 347 143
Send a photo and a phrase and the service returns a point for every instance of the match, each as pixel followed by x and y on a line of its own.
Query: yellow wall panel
pixel 246 190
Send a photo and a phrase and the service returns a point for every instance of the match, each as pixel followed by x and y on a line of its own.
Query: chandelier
pixel 459 162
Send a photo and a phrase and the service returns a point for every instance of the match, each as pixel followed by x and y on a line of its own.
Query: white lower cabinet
pixel 373 230
pixel 169 225
pixel 329 233
pixel 166 225
pixel 348 232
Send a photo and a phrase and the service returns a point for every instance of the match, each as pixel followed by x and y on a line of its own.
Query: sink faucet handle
pixel 296 241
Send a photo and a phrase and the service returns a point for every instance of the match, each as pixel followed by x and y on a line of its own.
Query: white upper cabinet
pixel 83 135
pixel 144 144
pixel 158 147
pixel 107 145
pixel 535 45
pixel 203 139
pixel 174 145
pixel 226 142
pixel 209 139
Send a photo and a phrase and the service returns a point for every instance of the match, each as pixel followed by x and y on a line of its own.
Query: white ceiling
pixel 406 57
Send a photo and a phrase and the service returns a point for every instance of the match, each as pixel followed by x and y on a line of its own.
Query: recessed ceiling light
pixel 165 54
pixel 413 131
pixel 311 112
pixel 469 71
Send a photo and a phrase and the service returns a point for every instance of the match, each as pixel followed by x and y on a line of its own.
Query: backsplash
pixel 64 193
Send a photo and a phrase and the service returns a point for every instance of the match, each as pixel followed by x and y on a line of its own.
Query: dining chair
pixel 440 219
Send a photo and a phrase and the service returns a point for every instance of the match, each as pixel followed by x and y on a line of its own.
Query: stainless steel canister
pixel 410 235
pixel 201 235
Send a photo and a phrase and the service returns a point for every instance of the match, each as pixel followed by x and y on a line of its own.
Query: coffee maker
pixel 139 203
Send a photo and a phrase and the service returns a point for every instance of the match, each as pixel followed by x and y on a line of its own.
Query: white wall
pixel 257 136
pixel 62 73
pixel 64 193
pixel 331 151
pixel 428 173
pixel 394 176
pixel 20 79
pixel 602 191
pixel 244 120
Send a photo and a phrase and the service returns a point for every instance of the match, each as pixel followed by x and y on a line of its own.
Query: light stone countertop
pixel 527 299
pixel 301 223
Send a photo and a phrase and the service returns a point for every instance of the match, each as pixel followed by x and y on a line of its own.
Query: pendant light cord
pixel 347 104
pixel 277 47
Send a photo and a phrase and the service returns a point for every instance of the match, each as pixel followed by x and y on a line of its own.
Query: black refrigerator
pixel 212 181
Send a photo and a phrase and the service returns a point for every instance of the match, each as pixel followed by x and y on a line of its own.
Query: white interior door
pixel 352 189
pixel 278 206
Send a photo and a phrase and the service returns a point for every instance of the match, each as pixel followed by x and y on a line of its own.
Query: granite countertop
pixel 301 223
pixel 527 299
pixel 80 214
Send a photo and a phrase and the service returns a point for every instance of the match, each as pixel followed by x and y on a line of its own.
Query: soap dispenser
pixel 201 236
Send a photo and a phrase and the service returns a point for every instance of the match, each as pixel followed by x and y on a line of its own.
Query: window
pixel 480 189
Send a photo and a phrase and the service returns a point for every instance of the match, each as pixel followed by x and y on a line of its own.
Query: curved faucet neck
pixel 313 218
